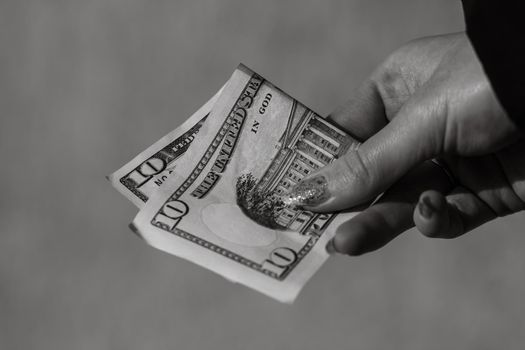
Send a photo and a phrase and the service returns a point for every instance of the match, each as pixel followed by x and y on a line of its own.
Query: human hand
pixel 429 99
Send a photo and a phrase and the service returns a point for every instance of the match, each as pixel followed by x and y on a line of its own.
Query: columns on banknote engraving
pixel 308 143
pixel 314 144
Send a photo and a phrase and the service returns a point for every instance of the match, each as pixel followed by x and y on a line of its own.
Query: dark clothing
pixel 497 31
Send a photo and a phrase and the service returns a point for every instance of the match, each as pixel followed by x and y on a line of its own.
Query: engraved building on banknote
pixel 308 143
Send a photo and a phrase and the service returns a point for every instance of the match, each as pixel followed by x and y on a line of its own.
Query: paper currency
pixel 144 174
pixel 221 209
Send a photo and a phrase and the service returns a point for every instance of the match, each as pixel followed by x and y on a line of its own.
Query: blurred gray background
pixel 86 85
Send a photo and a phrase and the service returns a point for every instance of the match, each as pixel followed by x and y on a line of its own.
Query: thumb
pixel 414 135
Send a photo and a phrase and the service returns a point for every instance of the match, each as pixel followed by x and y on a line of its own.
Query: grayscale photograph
pixel 262 174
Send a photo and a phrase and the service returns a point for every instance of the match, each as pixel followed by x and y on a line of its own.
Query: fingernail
pixel 310 192
pixel 425 207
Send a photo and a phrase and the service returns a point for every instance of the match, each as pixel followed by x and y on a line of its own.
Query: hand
pixel 429 99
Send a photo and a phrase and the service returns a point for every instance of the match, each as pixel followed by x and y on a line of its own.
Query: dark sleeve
pixel 497 31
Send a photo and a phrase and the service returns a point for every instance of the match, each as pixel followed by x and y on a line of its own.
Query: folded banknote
pixel 211 191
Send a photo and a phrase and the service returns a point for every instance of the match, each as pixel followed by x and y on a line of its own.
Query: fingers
pixel 434 218
pixel 410 138
pixel 438 216
pixel 435 215
pixel 375 226
pixel 391 215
